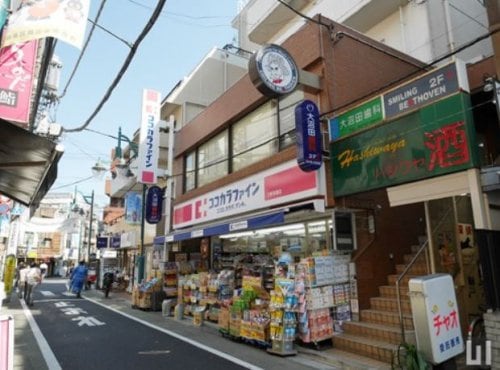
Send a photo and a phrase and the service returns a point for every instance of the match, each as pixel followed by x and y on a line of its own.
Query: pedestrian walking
pixel 33 278
pixel 21 280
pixel 44 269
pixel 78 278
pixel 107 283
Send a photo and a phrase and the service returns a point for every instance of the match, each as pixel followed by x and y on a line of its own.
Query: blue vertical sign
pixel 309 148
pixel 154 201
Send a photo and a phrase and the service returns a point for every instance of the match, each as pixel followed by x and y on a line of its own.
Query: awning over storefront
pixel 28 165
pixel 254 222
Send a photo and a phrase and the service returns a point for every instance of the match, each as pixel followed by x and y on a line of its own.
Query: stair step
pixel 390 304
pixel 385 318
pixel 391 279
pixel 408 257
pixel 390 334
pixel 389 291
pixel 418 268
pixel 376 349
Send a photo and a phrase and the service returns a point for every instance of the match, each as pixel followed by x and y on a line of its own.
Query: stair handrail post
pixel 398 280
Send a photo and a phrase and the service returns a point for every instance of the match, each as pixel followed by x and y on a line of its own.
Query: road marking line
pixel 216 352
pixel 47 293
pixel 48 355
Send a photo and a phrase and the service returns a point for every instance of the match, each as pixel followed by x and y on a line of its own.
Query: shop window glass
pixel 287 118
pixel 253 136
pixel 317 236
pixel 190 174
pixel 212 159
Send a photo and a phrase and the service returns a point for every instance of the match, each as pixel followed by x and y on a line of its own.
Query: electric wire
pixel 128 60
pixel 82 52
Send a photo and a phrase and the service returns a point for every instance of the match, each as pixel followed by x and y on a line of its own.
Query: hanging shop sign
pixel 149 144
pixel 133 208
pixel 154 201
pixel 62 19
pixel 115 241
pixel 357 119
pixel 17 65
pixel 426 90
pixel 102 242
pixel 307 126
pixel 279 185
pixel 273 71
pixel 434 141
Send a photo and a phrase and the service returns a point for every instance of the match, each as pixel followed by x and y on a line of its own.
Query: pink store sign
pixel 280 185
pixel 16 80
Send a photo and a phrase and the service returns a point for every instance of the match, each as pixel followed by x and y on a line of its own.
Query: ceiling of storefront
pixel 28 164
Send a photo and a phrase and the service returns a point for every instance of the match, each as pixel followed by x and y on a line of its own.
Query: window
pixel 287 118
pixel 190 171
pixel 253 137
pixel 213 159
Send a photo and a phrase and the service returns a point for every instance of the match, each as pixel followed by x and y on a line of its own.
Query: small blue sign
pixel 102 242
pixel 154 202
pixel 309 148
pixel 116 241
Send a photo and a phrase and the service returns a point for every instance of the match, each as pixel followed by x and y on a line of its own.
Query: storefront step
pixel 372 348
pixel 385 333
pixel 386 318
pixel 407 258
pixel 392 278
pixel 390 304
pixel 419 268
pixel 389 291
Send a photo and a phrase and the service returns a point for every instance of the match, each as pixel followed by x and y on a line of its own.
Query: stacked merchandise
pixel 283 307
pixel 315 319
pixel 170 279
pixel 343 290
pixel 141 295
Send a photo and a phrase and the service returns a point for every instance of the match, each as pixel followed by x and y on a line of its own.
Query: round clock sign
pixel 273 71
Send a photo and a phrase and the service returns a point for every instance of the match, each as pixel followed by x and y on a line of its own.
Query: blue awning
pixel 250 223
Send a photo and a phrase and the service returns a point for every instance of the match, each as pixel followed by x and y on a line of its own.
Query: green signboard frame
pixel 356 119
pixel 433 141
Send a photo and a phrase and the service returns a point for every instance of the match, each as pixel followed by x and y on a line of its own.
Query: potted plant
pixel 408 357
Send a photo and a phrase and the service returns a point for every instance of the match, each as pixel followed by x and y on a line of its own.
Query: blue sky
pixel 185 32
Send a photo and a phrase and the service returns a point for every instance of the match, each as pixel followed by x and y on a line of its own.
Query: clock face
pixel 277 69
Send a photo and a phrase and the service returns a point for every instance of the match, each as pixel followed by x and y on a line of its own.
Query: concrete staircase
pixel 377 334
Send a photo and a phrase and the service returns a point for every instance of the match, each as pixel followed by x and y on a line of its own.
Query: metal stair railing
pixel 410 265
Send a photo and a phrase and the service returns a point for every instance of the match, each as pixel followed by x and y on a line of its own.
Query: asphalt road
pixel 85 335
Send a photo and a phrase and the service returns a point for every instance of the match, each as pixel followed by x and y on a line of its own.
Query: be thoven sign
pixel 425 90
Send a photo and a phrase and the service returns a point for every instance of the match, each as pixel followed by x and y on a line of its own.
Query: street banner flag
pixel 149 137
pixel 62 19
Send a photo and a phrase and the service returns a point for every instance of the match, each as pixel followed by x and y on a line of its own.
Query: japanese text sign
pixel 361 117
pixel 279 185
pixel 307 126
pixel 438 139
pixel 17 63
pixel 149 137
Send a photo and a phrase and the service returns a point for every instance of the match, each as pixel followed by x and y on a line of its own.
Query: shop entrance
pixel 454 251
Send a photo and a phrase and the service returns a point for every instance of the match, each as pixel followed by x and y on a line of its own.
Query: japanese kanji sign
pixel 435 140
pixel 277 185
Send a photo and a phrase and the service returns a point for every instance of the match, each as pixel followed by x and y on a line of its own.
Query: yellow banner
pixel 9 273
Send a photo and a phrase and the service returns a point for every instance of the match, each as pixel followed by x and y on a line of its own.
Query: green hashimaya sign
pixel 435 140
pixel 356 119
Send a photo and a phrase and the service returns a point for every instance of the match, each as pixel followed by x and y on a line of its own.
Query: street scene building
pixel 331 180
